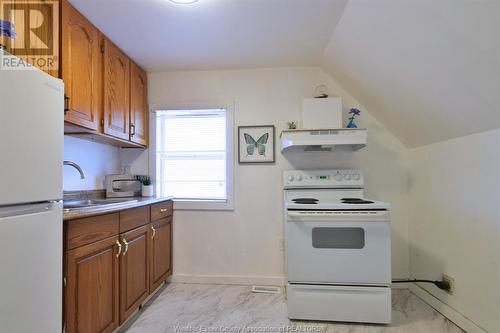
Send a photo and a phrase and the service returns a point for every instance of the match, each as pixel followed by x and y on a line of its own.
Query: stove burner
pixel 305 201
pixel 356 201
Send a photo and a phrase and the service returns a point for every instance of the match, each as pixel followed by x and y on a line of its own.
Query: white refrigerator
pixel 31 153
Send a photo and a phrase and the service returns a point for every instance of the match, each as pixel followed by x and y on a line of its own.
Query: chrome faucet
pixel 76 166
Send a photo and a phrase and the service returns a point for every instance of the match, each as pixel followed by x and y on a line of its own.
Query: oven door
pixel 339 247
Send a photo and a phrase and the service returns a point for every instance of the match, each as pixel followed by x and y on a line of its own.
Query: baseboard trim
pixel 229 279
pixel 244 280
pixel 456 317
pixel 399 286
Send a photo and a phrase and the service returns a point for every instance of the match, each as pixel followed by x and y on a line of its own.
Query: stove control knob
pixel 348 176
pixel 291 178
pixel 299 178
pixel 356 176
pixel 338 176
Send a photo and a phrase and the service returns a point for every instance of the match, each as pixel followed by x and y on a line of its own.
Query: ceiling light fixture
pixel 183 2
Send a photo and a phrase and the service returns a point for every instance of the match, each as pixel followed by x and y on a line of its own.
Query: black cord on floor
pixel 440 284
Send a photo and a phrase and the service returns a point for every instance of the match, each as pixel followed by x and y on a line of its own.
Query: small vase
pixel 147 190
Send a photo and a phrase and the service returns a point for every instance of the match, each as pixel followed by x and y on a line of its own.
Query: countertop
pixel 104 209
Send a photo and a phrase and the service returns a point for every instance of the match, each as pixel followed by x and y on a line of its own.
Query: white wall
pixel 95 159
pixel 455 222
pixel 245 242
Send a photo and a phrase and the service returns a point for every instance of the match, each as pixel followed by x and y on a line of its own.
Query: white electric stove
pixel 338 248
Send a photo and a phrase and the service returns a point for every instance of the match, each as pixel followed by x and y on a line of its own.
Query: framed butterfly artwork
pixel 256 144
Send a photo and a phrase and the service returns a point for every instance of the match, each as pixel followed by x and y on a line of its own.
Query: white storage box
pixel 320 113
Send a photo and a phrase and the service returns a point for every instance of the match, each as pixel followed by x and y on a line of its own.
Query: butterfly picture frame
pixel 256 144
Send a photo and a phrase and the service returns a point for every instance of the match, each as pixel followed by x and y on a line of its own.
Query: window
pixel 194 157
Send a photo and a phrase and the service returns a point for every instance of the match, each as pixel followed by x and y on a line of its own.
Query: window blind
pixel 191 154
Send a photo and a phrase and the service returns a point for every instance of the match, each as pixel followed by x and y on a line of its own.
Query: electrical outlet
pixel 282 244
pixel 451 282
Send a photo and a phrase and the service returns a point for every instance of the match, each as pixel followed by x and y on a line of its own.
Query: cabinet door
pixel 161 252
pixel 138 105
pixel 116 91
pixel 92 287
pixel 134 270
pixel 81 68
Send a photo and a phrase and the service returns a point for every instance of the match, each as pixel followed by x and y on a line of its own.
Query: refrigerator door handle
pixel 11 211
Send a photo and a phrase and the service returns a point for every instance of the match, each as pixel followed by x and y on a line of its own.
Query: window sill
pixel 202 205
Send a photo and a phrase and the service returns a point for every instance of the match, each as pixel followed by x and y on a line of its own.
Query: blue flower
pixel 355 112
pixel 7 29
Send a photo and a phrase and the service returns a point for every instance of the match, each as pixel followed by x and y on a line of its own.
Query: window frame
pixel 198 204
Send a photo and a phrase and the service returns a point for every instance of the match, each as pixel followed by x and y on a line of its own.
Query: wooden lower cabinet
pixel 161 252
pixel 109 276
pixel 92 298
pixel 134 270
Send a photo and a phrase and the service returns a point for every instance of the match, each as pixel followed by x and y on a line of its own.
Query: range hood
pixel 323 140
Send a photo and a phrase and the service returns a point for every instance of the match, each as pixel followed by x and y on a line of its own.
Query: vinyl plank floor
pixel 229 308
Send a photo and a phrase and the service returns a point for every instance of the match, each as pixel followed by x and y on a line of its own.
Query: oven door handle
pixel 369 216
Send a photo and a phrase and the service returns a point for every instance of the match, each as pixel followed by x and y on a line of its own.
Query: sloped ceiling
pixel 428 69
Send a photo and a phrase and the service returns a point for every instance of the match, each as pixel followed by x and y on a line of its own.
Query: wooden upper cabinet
pixel 105 92
pixel 80 68
pixel 138 105
pixel 92 287
pixel 116 92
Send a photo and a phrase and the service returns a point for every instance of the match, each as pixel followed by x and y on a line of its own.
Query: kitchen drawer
pixel 339 303
pixel 133 218
pixel 91 229
pixel 161 210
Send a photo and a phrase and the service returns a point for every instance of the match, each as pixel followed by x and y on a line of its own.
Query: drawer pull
pixel 126 246
pixel 154 232
pixel 119 248
pixel 163 210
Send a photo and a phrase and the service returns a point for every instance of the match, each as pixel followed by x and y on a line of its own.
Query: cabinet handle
pixel 126 246
pixel 154 232
pixel 66 104
pixel 132 129
pixel 119 248
pixel 163 210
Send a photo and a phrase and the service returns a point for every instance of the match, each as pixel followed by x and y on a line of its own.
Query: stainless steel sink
pixel 74 204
